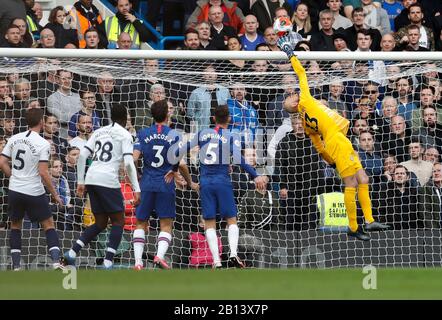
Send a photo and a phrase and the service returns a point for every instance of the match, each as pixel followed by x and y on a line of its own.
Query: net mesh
pixel 301 219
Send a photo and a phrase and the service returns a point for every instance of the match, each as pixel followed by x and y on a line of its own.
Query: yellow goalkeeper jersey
pixel 317 118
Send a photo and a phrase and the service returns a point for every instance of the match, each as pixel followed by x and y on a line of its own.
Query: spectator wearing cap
pixel 340 41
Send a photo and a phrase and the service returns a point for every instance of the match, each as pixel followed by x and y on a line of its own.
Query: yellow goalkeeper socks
pixel 350 206
pixel 364 200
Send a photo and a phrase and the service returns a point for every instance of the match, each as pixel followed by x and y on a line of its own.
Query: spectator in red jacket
pixel 233 15
pixel 128 195
pixel 200 255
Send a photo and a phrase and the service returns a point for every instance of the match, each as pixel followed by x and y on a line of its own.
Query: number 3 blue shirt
pixel 154 144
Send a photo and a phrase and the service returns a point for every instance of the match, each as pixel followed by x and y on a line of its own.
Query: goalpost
pixel 303 226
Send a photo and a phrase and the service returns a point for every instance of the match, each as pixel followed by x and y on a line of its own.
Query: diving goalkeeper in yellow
pixel 328 130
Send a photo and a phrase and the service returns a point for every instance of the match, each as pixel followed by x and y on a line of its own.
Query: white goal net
pixel 393 105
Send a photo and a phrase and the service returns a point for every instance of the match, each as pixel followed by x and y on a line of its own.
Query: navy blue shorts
pixel 217 198
pixel 105 200
pixel 162 202
pixel 35 207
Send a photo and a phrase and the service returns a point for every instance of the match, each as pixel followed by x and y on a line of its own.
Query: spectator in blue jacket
pixel 204 100
pixel 88 100
pixel 243 117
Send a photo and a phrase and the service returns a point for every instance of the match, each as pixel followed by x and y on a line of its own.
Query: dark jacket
pixel 63 36
pixel 264 14
pixel 399 210
pixel 351 34
pixel 297 165
pixel 396 147
pixel 259 211
pixel 10 9
pixel 322 42
pixel 430 202
pixel 141 28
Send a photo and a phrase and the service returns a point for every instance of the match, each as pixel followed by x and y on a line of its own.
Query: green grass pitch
pixel 224 284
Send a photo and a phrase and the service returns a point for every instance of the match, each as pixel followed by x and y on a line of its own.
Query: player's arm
pixel 184 170
pixel 260 181
pixel 81 168
pixel 4 165
pixel 129 164
pixel 4 159
pixel 284 43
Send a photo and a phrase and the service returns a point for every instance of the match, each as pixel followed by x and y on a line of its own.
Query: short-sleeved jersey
pixel 108 145
pixel 26 150
pixel 317 118
pixel 219 148
pixel 154 144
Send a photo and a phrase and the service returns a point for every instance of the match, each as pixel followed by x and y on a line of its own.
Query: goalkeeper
pixel 328 130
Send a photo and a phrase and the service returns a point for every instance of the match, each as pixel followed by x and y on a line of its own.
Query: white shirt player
pixel 26 150
pixel 108 146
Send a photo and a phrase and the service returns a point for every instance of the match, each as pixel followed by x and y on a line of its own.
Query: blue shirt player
pixel 217 148
pixel 155 144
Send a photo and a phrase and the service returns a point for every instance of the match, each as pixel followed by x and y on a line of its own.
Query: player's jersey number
pixel 158 156
pixel 103 151
pixel 19 161
pixel 311 123
pixel 210 157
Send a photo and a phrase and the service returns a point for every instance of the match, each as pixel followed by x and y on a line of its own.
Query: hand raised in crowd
pixel 129 16
pixel 261 182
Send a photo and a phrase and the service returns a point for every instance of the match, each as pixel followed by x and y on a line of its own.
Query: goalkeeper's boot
pixel 138 267
pixel 161 263
pixel 67 260
pixel 359 234
pixel 58 265
pixel 236 262
pixel 376 226
pixel 217 265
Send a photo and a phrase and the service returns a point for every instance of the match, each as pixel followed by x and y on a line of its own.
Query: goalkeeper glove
pixel 285 44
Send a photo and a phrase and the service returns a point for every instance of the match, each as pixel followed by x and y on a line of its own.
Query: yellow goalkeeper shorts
pixel 339 148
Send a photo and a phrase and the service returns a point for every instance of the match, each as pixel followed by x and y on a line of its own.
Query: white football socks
pixel 233 235
pixel 139 240
pixel 164 239
pixel 212 240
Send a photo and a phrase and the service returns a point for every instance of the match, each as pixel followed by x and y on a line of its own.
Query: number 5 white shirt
pixel 26 150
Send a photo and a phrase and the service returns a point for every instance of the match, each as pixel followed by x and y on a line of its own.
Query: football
pixel 282 26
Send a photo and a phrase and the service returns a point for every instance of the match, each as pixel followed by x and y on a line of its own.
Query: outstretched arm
pixel 285 44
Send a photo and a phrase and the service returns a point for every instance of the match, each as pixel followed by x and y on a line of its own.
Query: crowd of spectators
pixel 396 122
